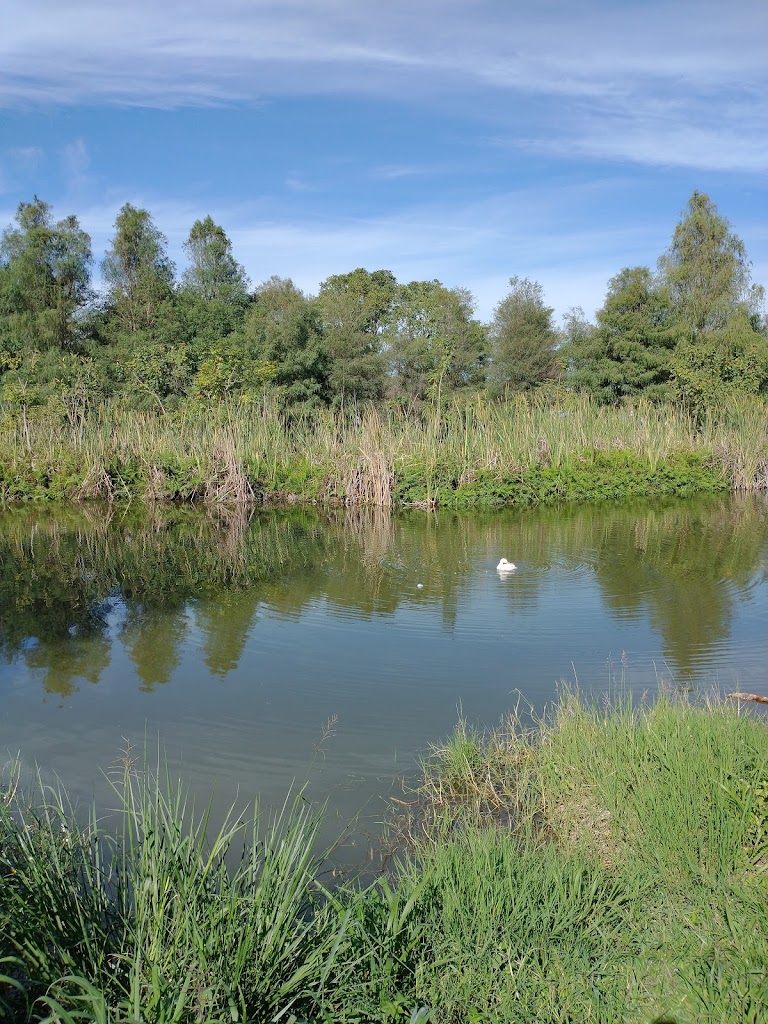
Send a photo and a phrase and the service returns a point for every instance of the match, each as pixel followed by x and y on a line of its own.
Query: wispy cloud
pixel 390 172
pixel 662 84
pixel 75 162
pixel 297 183
pixel 26 157
pixel 479 245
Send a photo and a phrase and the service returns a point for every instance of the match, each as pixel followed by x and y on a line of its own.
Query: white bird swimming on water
pixel 505 566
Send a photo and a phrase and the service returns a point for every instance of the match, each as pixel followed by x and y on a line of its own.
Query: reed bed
pixel 249 452
pixel 607 864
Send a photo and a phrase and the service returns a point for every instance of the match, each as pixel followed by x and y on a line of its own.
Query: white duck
pixel 505 566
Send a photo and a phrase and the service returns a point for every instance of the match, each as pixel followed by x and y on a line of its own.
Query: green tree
pixel 213 273
pixel 282 331
pixel 436 347
pixel 354 308
pixel 523 339
pixel 210 307
pixel 706 270
pixel 629 352
pixel 138 273
pixel 722 351
pixel 227 368
pixel 44 279
pixel 721 365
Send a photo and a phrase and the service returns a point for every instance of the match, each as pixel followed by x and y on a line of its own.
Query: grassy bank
pixel 481 454
pixel 610 865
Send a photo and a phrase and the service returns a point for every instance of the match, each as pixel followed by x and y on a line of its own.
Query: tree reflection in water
pixel 73 581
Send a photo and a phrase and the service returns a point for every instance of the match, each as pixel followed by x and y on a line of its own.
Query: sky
pixel 464 140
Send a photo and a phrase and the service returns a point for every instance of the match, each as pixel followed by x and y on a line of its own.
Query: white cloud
pixel 297 183
pixel 479 245
pixel 654 82
pixel 26 157
pixel 390 172
pixel 76 161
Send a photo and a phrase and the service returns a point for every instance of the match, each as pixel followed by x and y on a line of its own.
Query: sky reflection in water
pixel 266 649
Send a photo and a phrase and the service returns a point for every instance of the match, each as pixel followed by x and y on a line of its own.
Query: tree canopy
pixel 44 279
pixel 137 271
pixel 694 331
pixel 354 309
pixel 628 353
pixel 435 346
pixel 523 339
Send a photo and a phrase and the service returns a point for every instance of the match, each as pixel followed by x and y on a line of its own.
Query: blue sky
pixel 469 140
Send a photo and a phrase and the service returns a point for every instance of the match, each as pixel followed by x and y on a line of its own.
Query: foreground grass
pixel 475 454
pixel 610 864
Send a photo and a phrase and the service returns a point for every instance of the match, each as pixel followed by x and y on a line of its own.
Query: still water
pixel 262 649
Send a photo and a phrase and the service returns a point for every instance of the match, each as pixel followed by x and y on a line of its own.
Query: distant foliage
pixel 137 271
pixel 354 309
pixel 694 332
pixel 628 353
pixel 44 280
pixel 283 329
pixel 522 339
pixel 435 346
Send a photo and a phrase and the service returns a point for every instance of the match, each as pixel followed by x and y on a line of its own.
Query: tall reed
pixel 237 453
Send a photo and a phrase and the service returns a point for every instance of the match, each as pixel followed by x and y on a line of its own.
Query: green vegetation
pixel 523 340
pixel 608 865
pixel 693 331
pixel 374 391
pixel 533 449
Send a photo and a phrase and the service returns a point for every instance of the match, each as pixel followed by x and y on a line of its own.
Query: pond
pixel 263 650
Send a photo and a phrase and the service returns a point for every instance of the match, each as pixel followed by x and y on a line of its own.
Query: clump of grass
pixel 606 863
pixel 645 824
pixel 163 919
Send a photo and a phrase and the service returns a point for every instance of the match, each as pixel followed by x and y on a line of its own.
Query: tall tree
pixel 629 352
pixel 138 272
pixel 213 298
pixel 435 345
pixel 522 339
pixel 213 272
pixel 354 308
pixel 282 331
pixel 706 269
pixel 44 279
pixel 721 351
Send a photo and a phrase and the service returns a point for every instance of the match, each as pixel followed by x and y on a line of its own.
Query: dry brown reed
pixel 232 453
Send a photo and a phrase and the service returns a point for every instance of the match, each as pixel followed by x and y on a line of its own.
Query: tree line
pixel 692 330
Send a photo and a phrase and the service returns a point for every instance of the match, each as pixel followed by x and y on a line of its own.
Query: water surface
pixel 279 646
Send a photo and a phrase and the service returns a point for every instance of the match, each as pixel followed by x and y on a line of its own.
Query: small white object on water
pixel 419 586
pixel 505 566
